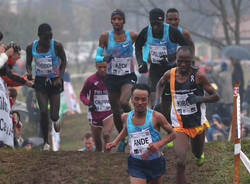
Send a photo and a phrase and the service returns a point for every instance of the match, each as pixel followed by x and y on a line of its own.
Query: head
pixel 172 17
pixel 117 19
pixel 216 117
pixel 244 130
pixel 101 68
pixel 140 97
pixel 45 33
pixel 17 49
pixel 156 18
pixel 185 58
pixel 88 142
pixel 12 93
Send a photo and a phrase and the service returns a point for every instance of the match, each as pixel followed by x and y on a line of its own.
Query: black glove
pixel 143 68
pixel 29 76
pixel 92 106
pixel 194 99
pixel 108 58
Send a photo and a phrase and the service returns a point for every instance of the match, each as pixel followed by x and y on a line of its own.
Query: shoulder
pixel 58 44
pixel 29 47
pixel 144 30
pixel 124 117
pixel 104 35
pixel 133 35
pixel 158 116
pixel 200 76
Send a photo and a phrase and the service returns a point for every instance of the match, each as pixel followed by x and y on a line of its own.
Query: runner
pixel 142 126
pixel 88 142
pixel 50 62
pixel 118 45
pixel 4 54
pixel 188 108
pixel 158 40
pixel 173 18
pixel 100 114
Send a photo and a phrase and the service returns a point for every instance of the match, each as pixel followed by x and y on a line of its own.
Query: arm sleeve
pixel 99 57
pixel 12 79
pixel 139 43
pixel 84 93
pixel 176 37
pixel 3 59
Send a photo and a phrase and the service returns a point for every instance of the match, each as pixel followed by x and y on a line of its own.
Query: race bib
pixel 43 66
pixel 121 66
pixel 182 106
pixel 157 52
pixel 139 142
pixel 102 103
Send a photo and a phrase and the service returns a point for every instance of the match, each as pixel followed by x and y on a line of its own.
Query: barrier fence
pixel 236 123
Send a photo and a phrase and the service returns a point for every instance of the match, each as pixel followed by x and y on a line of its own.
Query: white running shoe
pixel 56 125
pixel 46 147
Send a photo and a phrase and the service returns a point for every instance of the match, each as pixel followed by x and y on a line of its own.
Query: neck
pixel 140 114
pixel 118 31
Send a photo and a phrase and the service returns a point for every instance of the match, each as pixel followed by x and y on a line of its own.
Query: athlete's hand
pixel 110 145
pixel 153 147
pixel 29 83
pixel 143 68
pixel 92 106
pixel 194 99
pixel 108 58
pixel 29 76
pixel 57 82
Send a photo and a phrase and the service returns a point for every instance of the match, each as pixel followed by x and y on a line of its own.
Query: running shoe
pixel 122 145
pixel 200 161
pixel 56 125
pixel 46 147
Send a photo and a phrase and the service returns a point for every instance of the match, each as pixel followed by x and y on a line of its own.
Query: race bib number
pixel 182 106
pixel 102 103
pixel 139 142
pixel 43 66
pixel 121 66
pixel 157 52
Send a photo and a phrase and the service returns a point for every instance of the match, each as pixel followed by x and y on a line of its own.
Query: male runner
pixel 118 47
pixel 158 40
pixel 188 110
pixel 50 64
pixel 94 94
pixel 142 126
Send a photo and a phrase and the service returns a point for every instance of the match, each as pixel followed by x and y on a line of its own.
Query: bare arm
pixel 61 54
pixel 103 40
pixel 188 37
pixel 29 59
pixel 133 36
pixel 122 135
pixel 202 80
pixel 160 86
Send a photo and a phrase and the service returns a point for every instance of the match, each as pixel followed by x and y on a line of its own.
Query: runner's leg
pixel 197 144
pixel 134 180
pixel 181 144
pixel 125 96
pixel 96 132
pixel 107 128
pixel 42 99
pixel 114 99
pixel 54 110
pixel 157 180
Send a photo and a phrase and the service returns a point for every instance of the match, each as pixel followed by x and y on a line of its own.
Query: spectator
pixel 88 142
pixel 218 130
pixel 244 131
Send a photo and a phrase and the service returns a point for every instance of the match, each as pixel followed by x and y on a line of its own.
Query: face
pixel 45 37
pixel 157 26
pixel 140 100
pixel 101 68
pixel 88 144
pixel 184 61
pixel 117 22
pixel 12 59
pixel 173 19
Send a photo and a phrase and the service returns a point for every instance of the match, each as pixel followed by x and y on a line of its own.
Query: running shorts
pixel 45 85
pixel 146 169
pixel 114 82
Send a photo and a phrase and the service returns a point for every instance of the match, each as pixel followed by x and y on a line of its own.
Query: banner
pixel 6 125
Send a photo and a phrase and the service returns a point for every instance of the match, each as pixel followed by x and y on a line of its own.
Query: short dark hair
pixel 172 10
pixel 87 135
pixel 13 45
pixel 185 48
pixel 141 87
pixel 12 92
